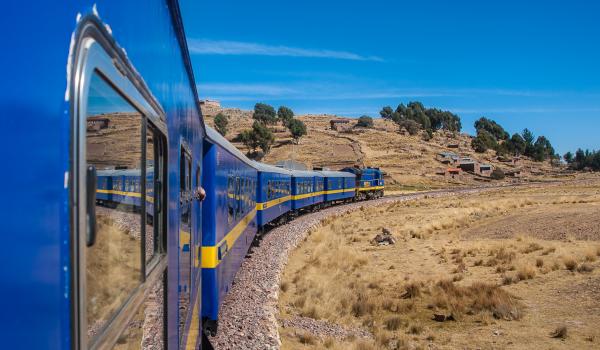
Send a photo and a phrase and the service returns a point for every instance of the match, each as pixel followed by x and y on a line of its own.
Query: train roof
pixel 306 173
pixel 267 168
pixel 329 173
pixel 218 139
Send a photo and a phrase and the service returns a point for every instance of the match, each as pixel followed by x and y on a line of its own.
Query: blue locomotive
pixel 108 229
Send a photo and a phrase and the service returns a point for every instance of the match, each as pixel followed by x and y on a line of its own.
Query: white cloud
pixel 225 47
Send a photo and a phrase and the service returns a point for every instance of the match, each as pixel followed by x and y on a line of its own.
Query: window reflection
pixel 113 263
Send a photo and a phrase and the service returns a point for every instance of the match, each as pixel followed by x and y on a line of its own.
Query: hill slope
pixel 409 161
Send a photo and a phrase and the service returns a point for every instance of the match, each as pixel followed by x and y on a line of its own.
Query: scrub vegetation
pixel 510 268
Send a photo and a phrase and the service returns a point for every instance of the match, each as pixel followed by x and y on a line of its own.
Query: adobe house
pixel 484 169
pixel 339 124
pixel 453 173
pixel 467 165
pixel 445 157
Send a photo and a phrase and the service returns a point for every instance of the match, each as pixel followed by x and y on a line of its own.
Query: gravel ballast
pixel 248 315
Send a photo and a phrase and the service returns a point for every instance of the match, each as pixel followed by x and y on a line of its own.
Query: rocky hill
pixel 410 161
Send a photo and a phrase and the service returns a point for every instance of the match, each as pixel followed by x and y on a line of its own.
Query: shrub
pixel 365 122
pixel 497 174
pixel 393 323
pixel 410 125
pixel 570 263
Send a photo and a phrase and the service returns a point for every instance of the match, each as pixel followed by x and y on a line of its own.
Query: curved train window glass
pixel 113 262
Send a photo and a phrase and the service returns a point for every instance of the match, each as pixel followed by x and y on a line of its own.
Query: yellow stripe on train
pixel 210 254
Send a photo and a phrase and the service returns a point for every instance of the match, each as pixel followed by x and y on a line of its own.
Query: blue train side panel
pixel 339 185
pixel 37 293
pixel 230 226
pixel 307 189
pixel 273 193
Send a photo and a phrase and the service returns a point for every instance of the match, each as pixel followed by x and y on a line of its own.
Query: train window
pixel 230 199
pixel 110 239
pixel 113 263
pixel 238 209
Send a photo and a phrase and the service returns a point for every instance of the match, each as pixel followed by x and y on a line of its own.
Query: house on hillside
pixel 445 157
pixel 484 169
pixel 467 165
pixel 453 173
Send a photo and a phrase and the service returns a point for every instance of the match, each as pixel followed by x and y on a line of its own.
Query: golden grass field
pixel 516 268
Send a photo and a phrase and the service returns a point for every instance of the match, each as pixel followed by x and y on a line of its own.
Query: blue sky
pixel 532 64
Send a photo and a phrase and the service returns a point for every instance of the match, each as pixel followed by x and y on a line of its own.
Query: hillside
pixel 409 161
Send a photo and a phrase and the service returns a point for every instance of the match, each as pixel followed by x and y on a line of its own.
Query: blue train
pixel 133 216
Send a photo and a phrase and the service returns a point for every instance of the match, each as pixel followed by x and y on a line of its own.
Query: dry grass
pixel 539 262
pixel 338 276
pixel 393 323
pixel 570 263
pixel 525 272
pixel 307 339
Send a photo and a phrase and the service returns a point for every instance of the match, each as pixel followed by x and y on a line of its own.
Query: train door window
pixel 155 158
pixel 185 237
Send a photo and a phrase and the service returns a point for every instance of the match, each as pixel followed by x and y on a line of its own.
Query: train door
pixel 186 241
pixel 118 255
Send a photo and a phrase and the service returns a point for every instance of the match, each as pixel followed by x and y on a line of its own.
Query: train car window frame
pixel 95 53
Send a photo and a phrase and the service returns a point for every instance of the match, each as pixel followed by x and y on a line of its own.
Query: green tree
pixel 568 157
pixel 221 123
pixel 542 149
pixel 264 113
pixel 516 144
pixel 297 129
pixel 386 112
pixel 365 122
pixel 258 137
pixel 484 141
pixel 285 115
pixel 492 127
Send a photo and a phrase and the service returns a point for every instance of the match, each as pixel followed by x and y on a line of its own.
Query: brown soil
pixel 504 269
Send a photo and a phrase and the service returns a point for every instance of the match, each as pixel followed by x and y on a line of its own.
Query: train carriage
pixel 307 189
pixel 339 186
pixel 229 225
pixel 273 201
